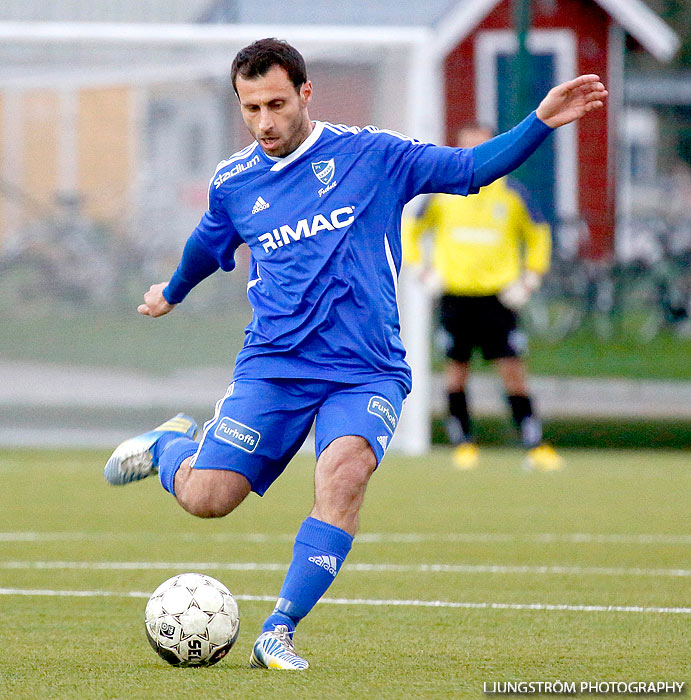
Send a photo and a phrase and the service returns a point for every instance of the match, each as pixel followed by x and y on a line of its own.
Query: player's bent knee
pixel 212 493
pixel 206 507
pixel 358 459
pixel 358 471
pixel 345 466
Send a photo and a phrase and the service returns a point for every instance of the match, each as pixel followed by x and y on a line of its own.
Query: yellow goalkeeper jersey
pixel 482 242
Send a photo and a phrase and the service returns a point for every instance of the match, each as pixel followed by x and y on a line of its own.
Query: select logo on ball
pixel 192 620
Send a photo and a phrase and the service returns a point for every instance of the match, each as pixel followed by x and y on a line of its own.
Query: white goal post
pixel 395 82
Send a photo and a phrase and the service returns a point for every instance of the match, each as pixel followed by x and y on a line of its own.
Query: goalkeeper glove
pixel 515 295
pixel 429 279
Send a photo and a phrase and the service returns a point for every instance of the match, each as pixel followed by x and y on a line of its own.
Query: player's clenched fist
pixel 155 303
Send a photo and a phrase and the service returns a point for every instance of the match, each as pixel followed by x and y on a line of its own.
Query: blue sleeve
pixel 504 153
pixel 212 245
pixel 196 264
pixel 421 168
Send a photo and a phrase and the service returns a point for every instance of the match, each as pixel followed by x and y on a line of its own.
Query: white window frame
pixel 561 43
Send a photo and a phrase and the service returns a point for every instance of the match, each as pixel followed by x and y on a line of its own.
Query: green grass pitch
pixel 581 575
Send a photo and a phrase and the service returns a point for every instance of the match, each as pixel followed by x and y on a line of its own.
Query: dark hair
pixel 255 61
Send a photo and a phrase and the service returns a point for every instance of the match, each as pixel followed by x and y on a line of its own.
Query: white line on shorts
pixel 368 537
pixel 355 567
pixel 533 607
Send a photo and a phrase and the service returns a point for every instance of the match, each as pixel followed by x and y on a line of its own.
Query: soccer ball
pixel 192 620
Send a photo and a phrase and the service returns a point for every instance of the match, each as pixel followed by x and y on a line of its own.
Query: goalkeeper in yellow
pixel 490 252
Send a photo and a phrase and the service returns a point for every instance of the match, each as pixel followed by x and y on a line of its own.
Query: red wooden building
pixel 566 38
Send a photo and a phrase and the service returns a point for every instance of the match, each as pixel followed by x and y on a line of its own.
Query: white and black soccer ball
pixel 192 620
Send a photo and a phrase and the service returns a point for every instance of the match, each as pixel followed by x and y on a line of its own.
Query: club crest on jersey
pixel 324 170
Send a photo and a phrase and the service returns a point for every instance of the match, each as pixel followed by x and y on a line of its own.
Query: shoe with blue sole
pixel 133 459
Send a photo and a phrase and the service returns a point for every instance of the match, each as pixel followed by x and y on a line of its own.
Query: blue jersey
pixel 323 226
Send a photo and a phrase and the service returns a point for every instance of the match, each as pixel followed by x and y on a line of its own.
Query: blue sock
pixel 170 456
pixel 160 445
pixel 318 553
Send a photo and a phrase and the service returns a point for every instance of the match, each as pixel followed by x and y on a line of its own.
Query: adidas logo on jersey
pixel 327 562
pixel 260 205
pixel 383 440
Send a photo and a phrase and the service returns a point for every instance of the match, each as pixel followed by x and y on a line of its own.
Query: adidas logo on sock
pixel 260 205
pixel 326 562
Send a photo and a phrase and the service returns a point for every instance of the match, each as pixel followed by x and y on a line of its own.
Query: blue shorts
pixel 260 424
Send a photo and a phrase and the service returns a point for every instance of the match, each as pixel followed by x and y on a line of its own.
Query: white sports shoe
pixel 132 459
pixel 275 649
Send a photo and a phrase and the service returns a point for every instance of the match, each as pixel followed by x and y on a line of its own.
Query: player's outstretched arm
pixel 563 104
pixel 195 265
pixel 571 100
pixel 155 304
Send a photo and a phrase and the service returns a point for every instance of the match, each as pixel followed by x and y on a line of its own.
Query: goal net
pixel 110 132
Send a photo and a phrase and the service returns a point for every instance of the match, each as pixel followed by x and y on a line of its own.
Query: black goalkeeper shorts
pixel 480 322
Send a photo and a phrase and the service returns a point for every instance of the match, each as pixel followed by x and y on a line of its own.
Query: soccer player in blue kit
pixel 320 207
